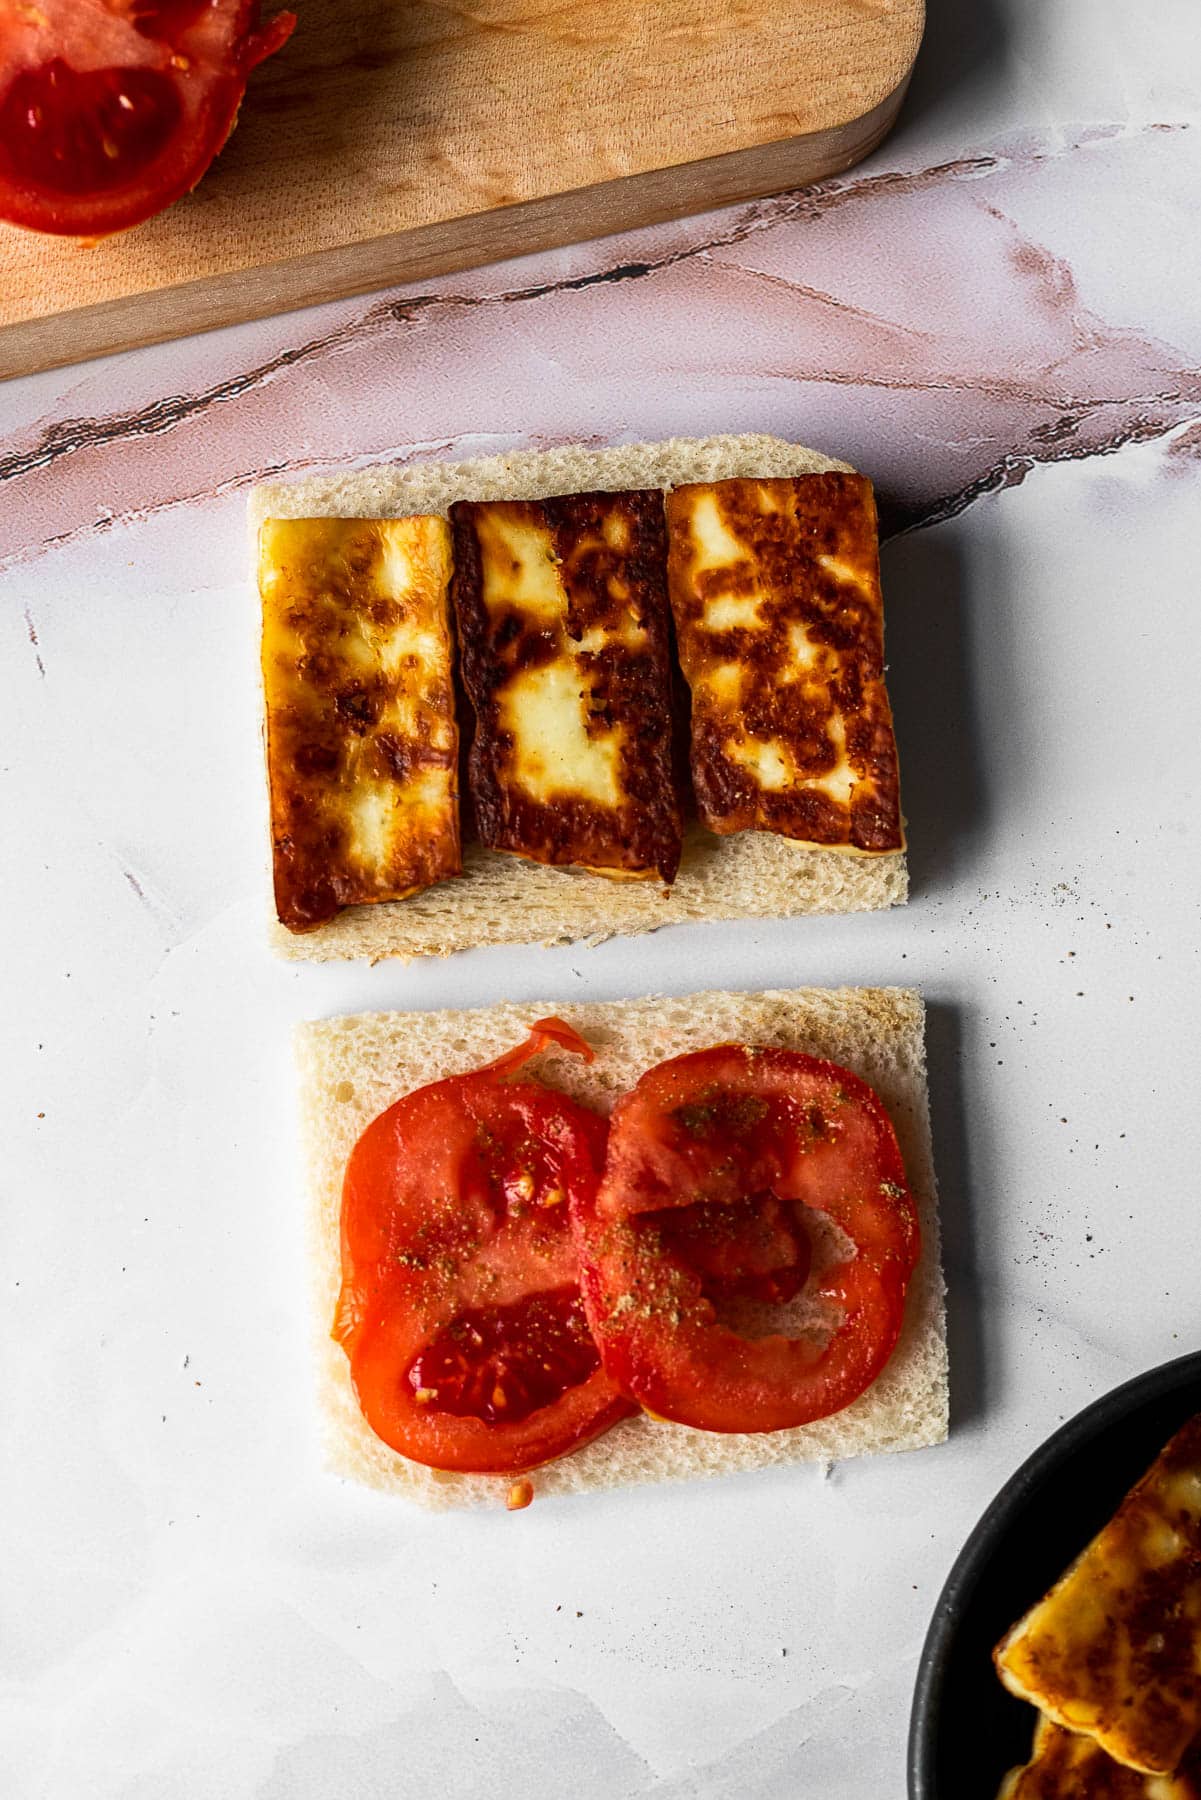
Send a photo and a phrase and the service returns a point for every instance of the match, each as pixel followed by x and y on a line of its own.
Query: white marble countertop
pixel 997 319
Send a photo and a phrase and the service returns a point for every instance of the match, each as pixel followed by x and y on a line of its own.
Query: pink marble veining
pixel 923 323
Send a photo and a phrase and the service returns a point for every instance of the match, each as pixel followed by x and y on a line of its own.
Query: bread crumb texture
pixel 352 1068
pixel 501 899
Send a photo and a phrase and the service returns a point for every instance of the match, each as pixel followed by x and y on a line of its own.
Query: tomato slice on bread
pixel 460 1307
pixel 717 1164
pixel 112 109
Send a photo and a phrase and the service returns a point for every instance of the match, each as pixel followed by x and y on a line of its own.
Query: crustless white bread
pixel 501 899
pixel 352 1068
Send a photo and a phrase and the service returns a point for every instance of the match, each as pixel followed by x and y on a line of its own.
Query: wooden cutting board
pixel 393 140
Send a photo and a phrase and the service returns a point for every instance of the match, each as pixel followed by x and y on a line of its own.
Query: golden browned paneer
pixel 564 639
pixel 1066 1766
pixel 362 744
pixel 1114 1650
pixel 775 588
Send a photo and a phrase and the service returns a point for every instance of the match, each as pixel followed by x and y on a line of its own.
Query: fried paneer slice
pixel 1114 1650
pixel 1066 1766
pixel 775 589
pixel 362 743
pixel 564 641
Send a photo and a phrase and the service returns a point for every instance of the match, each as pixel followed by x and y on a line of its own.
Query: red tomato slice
pixel 715 1161
pixel 460 1307
pixel 111 109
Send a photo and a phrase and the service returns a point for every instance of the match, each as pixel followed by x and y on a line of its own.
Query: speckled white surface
pixel 997 318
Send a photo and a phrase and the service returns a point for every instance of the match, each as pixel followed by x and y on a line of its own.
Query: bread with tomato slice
pixel 353 1068
pixel 728 871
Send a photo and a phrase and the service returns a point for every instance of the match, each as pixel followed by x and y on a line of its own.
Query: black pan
pixel 965 1731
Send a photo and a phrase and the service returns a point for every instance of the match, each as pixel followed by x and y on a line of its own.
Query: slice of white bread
pixel 503 899
pixel 352 1068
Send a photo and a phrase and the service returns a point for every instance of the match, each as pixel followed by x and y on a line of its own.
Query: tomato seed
pixel 508 1361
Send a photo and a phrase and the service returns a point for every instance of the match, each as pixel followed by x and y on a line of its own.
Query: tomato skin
pixel 456 1215
pixel 113 109
pixel 711 1129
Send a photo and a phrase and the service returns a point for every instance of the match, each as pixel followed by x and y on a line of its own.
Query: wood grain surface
pixel 393 141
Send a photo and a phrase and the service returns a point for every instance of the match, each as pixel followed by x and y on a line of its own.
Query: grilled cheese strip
pixel 561 607
pixel 1066 1766
pixel 775 589
pixel 362 743
pixel 1114 1650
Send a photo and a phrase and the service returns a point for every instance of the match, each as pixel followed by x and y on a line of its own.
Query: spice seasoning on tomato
pixel 460 1307
pixel 716 1163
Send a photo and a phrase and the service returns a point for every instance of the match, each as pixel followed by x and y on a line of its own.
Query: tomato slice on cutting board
pixel 460 1307
pixel 718 1166
pixel 112 109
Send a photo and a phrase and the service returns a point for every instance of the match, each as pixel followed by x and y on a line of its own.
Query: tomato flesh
pixel 714 1163
pixel 751 1249
pixel 80 134
pixel 460 1309
pixel 115 108
pixel 505 1362
pixel 167 19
